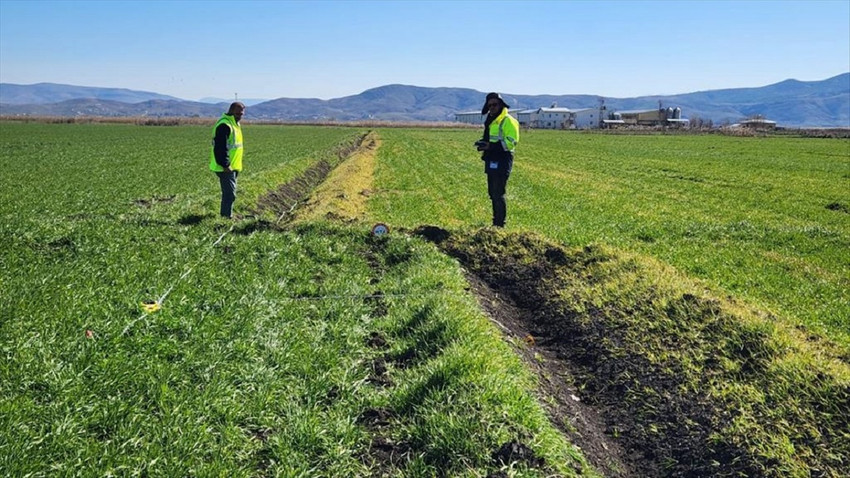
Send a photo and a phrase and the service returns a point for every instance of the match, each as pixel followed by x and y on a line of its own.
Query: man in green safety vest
pixel 226 155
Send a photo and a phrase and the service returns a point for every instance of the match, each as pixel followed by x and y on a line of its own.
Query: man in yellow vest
pixel 226 155
pixel 501 135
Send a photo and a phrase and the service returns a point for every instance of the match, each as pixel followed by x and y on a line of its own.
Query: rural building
pixel 470 117
pixel 555 117
pixel 655 117
pixel 552 118
pixel 525 117
pixel 614 120
pixel 758 123
pixel 547 118
pixel 588 118
pixel 562 118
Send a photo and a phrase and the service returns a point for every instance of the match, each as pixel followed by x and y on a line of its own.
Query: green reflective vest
pixel 505 129
pixel 234 144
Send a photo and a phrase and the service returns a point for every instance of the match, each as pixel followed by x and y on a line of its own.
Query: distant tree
pixel 696 121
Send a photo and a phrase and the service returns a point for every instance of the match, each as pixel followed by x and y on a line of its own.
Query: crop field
pixel 766 219
pixel 270 349
pixel 693 291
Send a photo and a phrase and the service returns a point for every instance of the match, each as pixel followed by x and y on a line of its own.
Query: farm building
pixel 655 117
pixel 561 118
pixel 545 118
pixel 525 117
pixel 552 118
pixel 470 117
pixel 555 117
pixel 588 118
pixel 758 123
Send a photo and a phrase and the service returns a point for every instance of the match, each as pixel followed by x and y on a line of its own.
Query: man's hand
pixel 227 169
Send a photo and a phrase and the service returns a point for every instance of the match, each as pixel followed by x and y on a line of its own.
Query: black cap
pixel 491 96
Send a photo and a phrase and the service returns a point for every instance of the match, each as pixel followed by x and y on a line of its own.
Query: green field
pixel 267 356
pixel 766 220
pixel 318 350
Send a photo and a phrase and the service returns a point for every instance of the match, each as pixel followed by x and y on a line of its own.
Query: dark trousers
pixel 228 191
pixel 497 181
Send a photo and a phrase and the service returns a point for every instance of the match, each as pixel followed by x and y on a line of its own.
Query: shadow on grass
pixel 193 219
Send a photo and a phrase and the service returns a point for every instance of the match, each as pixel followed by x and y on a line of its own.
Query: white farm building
pixel 585 118
pixel 470 117
pixel 545 118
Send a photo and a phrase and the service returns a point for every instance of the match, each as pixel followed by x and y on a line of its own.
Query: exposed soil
pixel 559 396
pixel 540 349
pixel 284 199
pixel 648 359
pixel 837 206
pixel 149 202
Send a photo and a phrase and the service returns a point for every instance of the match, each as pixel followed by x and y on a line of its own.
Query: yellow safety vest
pixel 234 144
pixel 505 129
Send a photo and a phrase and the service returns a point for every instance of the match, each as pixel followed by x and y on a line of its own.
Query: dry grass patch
pixel 344 193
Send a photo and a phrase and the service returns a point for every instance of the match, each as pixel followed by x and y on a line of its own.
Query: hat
pixel 491 96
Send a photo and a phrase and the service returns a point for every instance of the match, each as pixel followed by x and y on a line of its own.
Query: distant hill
pixel 391 103
pixel 246 101
pixel 45 93
pixel 790 103
pixel 110 108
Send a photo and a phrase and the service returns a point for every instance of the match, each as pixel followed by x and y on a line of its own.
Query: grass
pixel 700 272
pixel 762 219
pixel 276 351
pixel 705 385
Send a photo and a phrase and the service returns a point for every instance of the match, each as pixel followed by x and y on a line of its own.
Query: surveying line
pixel 162 298
pixel 287 212
pixel 363 296
pixel 189 271
pixel 339 297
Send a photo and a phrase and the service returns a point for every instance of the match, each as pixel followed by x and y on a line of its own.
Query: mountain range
pixel 791 103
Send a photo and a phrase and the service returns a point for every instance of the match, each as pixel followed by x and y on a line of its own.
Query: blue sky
pixel 329 49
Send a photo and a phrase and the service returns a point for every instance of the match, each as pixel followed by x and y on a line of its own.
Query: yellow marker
pixel 150 307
